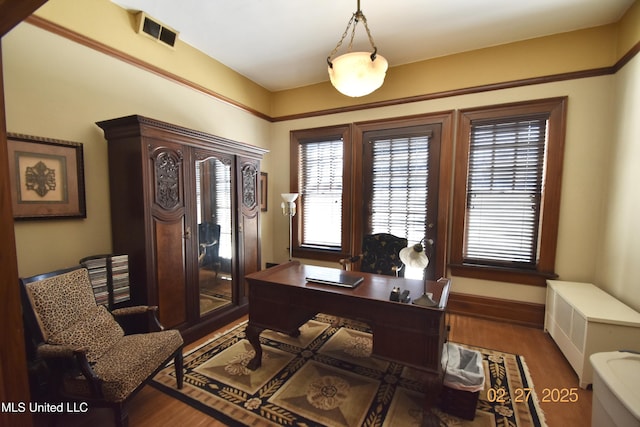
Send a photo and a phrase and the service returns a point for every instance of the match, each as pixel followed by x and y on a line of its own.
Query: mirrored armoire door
pixel 214 207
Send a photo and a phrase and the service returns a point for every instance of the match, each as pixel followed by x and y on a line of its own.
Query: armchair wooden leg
pixel 121 415
pixel 178 363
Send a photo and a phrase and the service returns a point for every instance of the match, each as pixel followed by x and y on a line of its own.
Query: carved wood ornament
pixel 167 174
pixel 249 187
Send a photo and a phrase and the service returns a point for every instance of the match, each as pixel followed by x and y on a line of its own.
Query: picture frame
pixel 263 191
pixel 46 178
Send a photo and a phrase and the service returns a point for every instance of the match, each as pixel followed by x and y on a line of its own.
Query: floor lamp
pixel 289 209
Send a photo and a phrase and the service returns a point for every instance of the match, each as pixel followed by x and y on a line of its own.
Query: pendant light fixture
pixel 357 73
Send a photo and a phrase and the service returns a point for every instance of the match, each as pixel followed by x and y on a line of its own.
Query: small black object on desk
pixel 398 296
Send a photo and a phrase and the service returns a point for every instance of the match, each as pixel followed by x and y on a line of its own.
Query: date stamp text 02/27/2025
pixel 522 395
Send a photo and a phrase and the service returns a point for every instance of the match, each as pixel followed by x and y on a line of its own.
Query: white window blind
pixel 198 193
pixel 504 190
pixel 223 207
pixel 320 184
pixel 400 186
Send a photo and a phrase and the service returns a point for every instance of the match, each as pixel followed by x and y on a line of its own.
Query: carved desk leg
pixel 432 391
pixel 253 335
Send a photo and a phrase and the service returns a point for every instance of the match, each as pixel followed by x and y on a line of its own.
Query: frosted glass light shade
pixel 414 256
pixel 288 206
pixel 289 197
pixel 355 74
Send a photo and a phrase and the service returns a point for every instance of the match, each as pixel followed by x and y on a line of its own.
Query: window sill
pixel 525 277
pixel 318 254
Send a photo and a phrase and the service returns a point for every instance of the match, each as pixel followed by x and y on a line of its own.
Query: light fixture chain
pixel 353 35
pixel 366 27
pixel 335 49
pixel 356 17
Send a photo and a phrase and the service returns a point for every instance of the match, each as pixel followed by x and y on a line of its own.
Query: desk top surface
pixel 374 286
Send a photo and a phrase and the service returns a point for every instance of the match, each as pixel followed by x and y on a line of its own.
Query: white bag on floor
pixel 463 368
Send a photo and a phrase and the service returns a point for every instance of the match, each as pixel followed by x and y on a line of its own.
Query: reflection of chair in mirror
pixel 209 245
pixel 84 350
pixel 215 290
pixel 379 255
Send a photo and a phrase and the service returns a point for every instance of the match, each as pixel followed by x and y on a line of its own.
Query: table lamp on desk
pixel 414 256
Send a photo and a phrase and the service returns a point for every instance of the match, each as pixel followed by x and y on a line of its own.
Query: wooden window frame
pixel 552 184
pixel 445 120
pixel 298 137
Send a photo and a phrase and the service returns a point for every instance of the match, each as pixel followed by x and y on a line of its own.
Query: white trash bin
pixel 463 381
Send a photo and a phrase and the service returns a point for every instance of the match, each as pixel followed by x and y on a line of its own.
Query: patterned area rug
pixel 326 377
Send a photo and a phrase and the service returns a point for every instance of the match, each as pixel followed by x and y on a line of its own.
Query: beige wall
pixel 58 89
pixel 618 236
pixel 109 24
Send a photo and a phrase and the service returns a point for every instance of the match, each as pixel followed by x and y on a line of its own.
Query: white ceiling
pixel 282 44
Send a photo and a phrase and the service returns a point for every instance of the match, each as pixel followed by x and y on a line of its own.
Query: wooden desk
pixel 282 300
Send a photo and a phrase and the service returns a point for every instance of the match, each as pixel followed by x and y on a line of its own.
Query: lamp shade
pixel 414 256
pixel 289 197
pixel 355 74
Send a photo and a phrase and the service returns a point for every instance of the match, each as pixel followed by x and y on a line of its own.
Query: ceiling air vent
pixel 156 30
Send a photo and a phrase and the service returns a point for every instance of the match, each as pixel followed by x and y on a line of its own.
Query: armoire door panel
pixel 249 230
pixel 251 247
pixel 170 272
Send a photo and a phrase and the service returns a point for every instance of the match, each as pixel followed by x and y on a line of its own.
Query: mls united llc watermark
pixel 44 407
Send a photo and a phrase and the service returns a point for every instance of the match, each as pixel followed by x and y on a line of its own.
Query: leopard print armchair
pixel 87 354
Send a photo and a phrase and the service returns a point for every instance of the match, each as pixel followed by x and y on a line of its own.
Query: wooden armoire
pixel 185 207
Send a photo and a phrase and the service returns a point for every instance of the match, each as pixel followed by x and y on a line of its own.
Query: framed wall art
pixel 47 178
pixel 263 191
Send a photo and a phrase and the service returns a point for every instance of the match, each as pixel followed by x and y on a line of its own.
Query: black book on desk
pixel 333 277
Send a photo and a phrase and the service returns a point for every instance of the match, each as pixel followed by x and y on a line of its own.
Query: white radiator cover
pixel 583 320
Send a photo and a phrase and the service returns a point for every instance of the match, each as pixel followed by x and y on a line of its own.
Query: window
pixel 504 190
pixel 371 177
pixel 399 180
pixel 399 171
pixel 506 196
pixel 318 164
pixel 321 189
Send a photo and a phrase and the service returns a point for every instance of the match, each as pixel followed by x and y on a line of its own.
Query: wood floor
pixel 548 368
